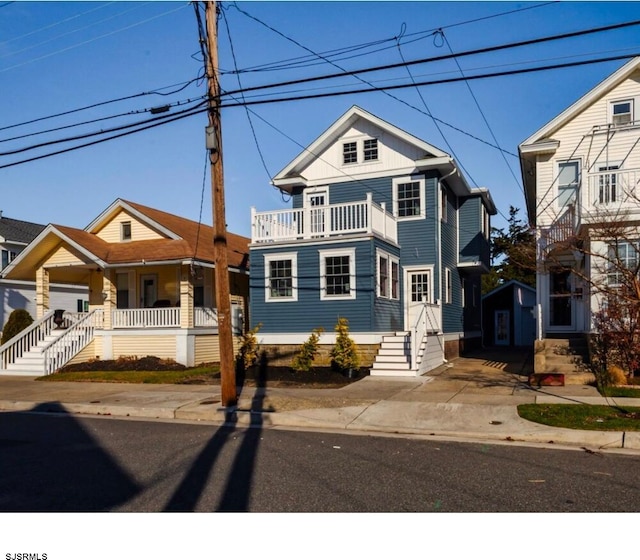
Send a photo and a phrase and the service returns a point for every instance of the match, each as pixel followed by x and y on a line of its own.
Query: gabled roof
pixel 18 231
pixel 185 240
pixel 541 141
pixel 432 157
pixel 506 285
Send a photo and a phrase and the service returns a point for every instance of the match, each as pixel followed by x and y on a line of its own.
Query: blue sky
pixel 56 57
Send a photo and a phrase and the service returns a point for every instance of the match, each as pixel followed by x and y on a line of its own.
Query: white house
pixel 581 171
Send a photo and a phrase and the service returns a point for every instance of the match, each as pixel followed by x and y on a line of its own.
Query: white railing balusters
pixel 20 344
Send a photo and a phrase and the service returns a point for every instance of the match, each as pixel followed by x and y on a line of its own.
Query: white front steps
pixel 394 356
pixel 32 362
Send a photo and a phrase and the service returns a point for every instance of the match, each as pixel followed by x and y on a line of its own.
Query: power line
pixel 473 52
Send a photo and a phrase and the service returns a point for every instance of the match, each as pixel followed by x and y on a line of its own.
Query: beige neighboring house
pixel 150 276
pixel 580 171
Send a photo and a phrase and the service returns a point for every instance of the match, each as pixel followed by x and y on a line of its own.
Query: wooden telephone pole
pixel 223 296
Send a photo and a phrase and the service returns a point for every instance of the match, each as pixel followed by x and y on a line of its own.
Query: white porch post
pixel 42 292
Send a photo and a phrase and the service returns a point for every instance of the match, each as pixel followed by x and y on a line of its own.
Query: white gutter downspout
pixel 439 245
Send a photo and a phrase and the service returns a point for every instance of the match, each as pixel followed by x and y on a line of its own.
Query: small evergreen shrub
pixel 345 352
pixel 248 354
pixel 308 351
pixel 17 322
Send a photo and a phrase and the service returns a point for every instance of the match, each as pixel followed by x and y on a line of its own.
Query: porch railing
pixel 561 230
pixel 20 344
pixel 323 221
pixel 57 353
pixel 427 322
pixel 144 318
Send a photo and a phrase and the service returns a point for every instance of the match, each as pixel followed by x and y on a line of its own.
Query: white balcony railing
pixel 324 221
pixel 613 189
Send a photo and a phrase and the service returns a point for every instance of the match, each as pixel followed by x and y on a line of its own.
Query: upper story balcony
pixel 331 220
pixel 613 189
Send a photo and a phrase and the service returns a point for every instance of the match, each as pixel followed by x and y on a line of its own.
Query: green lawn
pixel 621 392
pixel 582 416
pixel 209 374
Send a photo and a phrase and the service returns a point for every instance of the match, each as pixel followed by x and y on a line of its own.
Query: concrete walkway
pixel 471 398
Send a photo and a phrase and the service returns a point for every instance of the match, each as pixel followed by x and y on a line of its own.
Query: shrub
pixel 248 354
pixel 17 322
pixel 345 353
pixel 308 351
pixel 617 376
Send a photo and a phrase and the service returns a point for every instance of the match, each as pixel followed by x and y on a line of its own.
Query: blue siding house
pixel 384 231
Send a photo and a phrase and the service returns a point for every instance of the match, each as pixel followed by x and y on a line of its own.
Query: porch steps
pixel 566 357
pixel 32 362
pixel 394 356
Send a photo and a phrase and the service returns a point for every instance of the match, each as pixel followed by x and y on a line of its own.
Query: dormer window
pixel 350 152
pixel 622 112
pixel 125 231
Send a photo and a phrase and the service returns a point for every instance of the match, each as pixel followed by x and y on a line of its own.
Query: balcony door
pixel 316 202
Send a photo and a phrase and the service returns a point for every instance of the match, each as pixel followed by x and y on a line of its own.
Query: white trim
pixel 421 185
pixel 448 285
pixel 613 103
pixel 327 253
pixel 293 257
pixel 391 259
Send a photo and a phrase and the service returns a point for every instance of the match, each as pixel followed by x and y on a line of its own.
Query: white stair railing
pixel 426 322
pixel 20 344
pixel 58 352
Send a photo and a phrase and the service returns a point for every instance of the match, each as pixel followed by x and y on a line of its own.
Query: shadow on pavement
pixel 68 470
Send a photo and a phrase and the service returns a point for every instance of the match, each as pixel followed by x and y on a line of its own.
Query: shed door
pixel 502 328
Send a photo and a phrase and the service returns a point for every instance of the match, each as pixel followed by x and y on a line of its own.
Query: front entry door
pixel 418 291
pixel 316 208
pixel 561 300
pixel 148 290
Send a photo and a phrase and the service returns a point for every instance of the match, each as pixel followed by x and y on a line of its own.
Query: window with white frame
pixel 125 231
pixel 281 271
pixel 568 182
pixel 7 257
pixel 622 261
pixel 350 152
pixel 607 184
pixel 448 286
pixel 388 275
pixel 486 222
pixel 338 274
pixel 409 198
pixel 622 112
pixel 370 149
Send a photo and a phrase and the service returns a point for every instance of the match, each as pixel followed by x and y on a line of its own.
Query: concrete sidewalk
pixel 472 398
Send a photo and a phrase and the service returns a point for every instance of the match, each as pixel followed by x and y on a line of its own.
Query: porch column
pixel 42 292
pixel 110 296
pixel 186 298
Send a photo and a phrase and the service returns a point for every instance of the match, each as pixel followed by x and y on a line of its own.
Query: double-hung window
pixel 370 149
pixel 338 274
pixel 388 276
pixel 281 277
pixel 409 198
pixel 622 262
pixel 7 257
pixel 568 182
pixel 350 152
pixel 125 231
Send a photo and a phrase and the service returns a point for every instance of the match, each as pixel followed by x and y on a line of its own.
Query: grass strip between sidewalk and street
pixel 583 416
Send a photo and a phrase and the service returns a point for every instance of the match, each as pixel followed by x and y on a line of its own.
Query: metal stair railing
pixel 20 344
pixel 58 352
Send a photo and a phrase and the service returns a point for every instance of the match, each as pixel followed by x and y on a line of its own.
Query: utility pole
pixel 223 301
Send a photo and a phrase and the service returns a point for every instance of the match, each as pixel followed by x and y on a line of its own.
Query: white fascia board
pixel 331 134
pixel 586 100
pixel 486 197
pixel 121 204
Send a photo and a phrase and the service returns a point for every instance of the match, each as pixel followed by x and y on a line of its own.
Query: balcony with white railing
pixel 613 190
pixel 332 220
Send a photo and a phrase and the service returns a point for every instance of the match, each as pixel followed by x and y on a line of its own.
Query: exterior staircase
pixel 32 362
pixel 394 356
pixel 566 359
